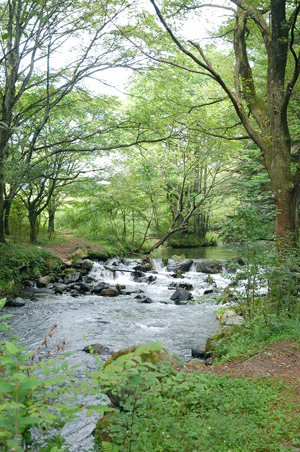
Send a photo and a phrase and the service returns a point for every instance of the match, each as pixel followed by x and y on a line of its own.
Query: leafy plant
pixel 168 411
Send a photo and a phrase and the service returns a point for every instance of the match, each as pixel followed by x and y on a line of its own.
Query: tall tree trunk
pixel 51 222
pixel 200 224
pixel 2 210
pixel 8 203
pixel 32 216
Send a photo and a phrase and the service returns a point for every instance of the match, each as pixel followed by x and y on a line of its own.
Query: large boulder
pixel 79 252
pixel 230 317
pixel 148 356
pixel 209 266
pixel 110 292
pixel 182 266
pixel 181 296
pixel 86 252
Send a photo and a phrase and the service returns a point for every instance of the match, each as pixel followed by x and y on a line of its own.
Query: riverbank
pixel 272 369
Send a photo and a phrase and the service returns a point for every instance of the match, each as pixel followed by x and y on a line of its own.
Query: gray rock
pixel 198 353
pixel 15 302
pixel 182 266
pixel 209 266
pixel 98 349
pixel 181 296
pixel 79 251
pixel 60 286
pixel 230 317
pixel 144 299
pixel 87 264
pixel 83 287
pixel 72 277
pixel 43 281
pixel 99 287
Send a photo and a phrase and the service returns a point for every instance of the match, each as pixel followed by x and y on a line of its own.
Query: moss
pixel 153 357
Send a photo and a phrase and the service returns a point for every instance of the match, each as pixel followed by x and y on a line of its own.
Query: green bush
pixel 171 411
pixel 18 263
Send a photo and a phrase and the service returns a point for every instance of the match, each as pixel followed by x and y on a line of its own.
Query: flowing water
pixel 117 322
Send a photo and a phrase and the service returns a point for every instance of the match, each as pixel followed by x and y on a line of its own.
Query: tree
pixel 260 94
pixel 33 82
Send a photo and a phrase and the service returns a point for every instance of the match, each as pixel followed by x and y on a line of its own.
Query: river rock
pixel 154 357
pixel 28 283
pixel 72 277
pixel 143 268
pixel 198 352
pixel 182 266
pixel 17 302
pixel 79 252
pixel 183 285
pixel 59 288
pixel 110 292
pixel 99 287
pixel 83 287
pixel 43 281
pixel 181 296
pixel 209 266
pixel 230 317
pixel 143 299
pixel 87 264
pixel 97 349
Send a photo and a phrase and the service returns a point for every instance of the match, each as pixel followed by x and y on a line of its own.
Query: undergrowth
pixel 18 263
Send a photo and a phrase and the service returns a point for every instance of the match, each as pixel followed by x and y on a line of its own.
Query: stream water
pixel 117 322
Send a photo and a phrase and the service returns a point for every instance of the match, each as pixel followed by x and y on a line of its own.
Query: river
pixel 118 322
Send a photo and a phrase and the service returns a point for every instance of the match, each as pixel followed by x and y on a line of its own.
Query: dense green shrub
pixel 18 263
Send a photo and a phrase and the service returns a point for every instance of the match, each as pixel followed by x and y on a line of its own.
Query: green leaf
pixel 6 387
pixel 29 421
pixel 2 302
pixel 11 347
pixel 46 371
pixel 6 422
pixel 64 366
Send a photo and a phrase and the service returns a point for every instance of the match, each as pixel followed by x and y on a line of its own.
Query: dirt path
pixel 280 360
pixel 63 250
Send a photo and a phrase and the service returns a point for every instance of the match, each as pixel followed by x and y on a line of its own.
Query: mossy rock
pixel 97 255
pixel 220 312
pixel 79 252
pixel 119 394
pixel 152 357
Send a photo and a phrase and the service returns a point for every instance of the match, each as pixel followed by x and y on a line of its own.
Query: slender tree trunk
pixel 200 224
pixel 51 222
pixel 6 216
pixel 2 211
